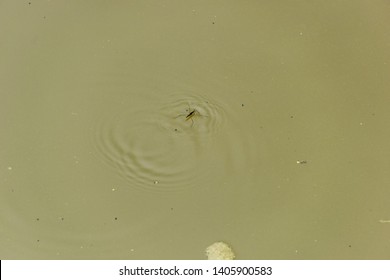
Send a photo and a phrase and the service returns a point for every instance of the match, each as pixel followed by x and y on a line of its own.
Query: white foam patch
pixel 219 251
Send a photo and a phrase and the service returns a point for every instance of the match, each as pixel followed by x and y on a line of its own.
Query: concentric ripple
pixel 157 149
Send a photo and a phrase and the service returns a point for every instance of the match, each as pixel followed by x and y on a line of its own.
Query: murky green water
pixel 284 157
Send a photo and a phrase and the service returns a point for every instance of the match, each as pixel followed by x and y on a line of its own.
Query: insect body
pixel 191 114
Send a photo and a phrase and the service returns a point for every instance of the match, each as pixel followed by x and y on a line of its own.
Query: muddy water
pixel 151 130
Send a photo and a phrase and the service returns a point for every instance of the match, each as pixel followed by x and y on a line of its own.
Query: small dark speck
pixel 37 240
pixel 291 117
pixel 242 105
pixel 350 246
pixel 213 22
pixel 116 219
pixel 29 3
pixel 62 218
pixel 38 219
pixel 171 208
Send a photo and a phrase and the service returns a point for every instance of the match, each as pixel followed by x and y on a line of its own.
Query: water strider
pixel 190 115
